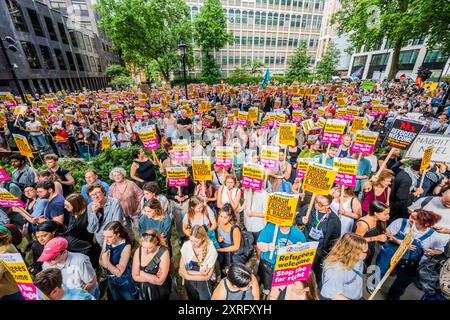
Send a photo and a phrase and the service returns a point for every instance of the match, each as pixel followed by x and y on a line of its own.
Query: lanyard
pixel 317 222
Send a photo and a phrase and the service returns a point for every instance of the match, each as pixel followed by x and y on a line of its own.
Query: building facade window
pixel 60 59
pixel 408 57
pixel 379 59
pixel 73 38
pixel 433 56
pixel 88 43
pixel 79 62
pixel 48 61
pixel 31 55
pixel 62 33
pixel 50 28
pixel 72 65
pixel 15 11
pixel 35 23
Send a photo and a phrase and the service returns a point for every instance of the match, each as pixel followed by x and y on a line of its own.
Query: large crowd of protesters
pixel 131 237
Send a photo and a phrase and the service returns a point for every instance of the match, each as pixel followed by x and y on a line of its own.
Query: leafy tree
pixel 116 70
pixel 254 67
pixel 299 64
pixel 147 30
pixel 326 67
pixel 121 81
pixel 210 34
pixel 369 21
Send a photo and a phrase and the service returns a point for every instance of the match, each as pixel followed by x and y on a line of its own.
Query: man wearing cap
pixel 76 268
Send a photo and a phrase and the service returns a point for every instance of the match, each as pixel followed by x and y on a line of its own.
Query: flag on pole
pixel 358 72
pixel 266 78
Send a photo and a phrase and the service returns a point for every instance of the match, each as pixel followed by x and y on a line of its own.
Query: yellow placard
pixel 426 159
pixel 224 152
pixel 177 173
pixel 253 114
pixel 335 126
pixel 253 172
pixel 346 165
pixel 281 209
pixel 23 145
pixel 270 152
pixel 307 125
pixel 204 106
pixel 287 134
pixel 341 102
pixel 321 122
pixel 319 178
pixel 106 142
pixel 353 111
pixel 358 123
pixel 201 168
pixel 367 137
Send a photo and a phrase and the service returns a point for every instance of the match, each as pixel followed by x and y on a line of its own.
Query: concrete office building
pixel 59 46
pixel 266 30
pixel 376 61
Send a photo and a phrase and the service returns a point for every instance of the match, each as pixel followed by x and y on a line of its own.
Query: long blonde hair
pixel 347 251
pixel 199 232
pixel 153 236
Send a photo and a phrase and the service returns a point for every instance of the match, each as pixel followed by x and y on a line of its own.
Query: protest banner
pixel 205 106
pixel 358 123
pixel 106 142
pixel 280 210
pixel 3 175
pixel 155 110
pixel 224 157
pixel 346 175
pixel 399 253
pixel 302 165
pixel 367 85
pixel 13 262
pixel 272 117
pixel 333 131
pixel 294 263
pixel 8 200
pixel 265 123
pixel 378 110
pixel 297 115
pixel 295 103
pixel 280 118
pixel 426 159
pixel 116 112
pixel 270 156
pixel 253 114
pixel 235 112
pixel 242 118
pixel 313 135
pixel 177 177
pixel 341 114
pixel 201 168
pixel 180 149
pixel 252 176
pixel 287 134
pixel 321 122
pixel 207 121
pixel 139 113
pixel 319 178
pixel 307 125
pixel 402 133
pixel 352 112
pixel 441 144
pixel 364 141
pixel 149 138
pixel 23 145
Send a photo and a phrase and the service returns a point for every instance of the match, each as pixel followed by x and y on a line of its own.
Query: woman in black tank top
pixel 142 169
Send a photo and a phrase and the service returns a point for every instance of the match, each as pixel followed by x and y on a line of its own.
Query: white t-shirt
pixel 255 224
pixel 188 254
pixel 336 281
pixel 435 205
pixel 34 126
pixel 76 272
pixel 435 241
pixel 346 222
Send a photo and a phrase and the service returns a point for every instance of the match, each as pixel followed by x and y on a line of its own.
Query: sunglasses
pixel 148 235
pixel 320 204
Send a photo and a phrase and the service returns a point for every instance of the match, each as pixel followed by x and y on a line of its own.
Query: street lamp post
pixel 13 48
pixel 182 48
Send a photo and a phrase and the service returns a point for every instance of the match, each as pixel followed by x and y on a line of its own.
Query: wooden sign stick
pixel 383 165
pixel 308 212
pixel 275 234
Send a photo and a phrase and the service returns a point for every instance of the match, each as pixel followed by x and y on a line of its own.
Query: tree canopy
pixel 299 64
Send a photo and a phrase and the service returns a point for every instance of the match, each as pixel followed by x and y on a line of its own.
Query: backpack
pixel 246 250
pixel 428 273
pixel 444 279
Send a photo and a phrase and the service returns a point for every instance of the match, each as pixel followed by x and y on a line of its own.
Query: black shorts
pixel 265 273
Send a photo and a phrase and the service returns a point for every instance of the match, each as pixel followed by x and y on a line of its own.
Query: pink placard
pixel 296 119
pixel 181 155
pixel 252 183
pixel 296 274
pixel 11 203
pixel 364 148
pixel 224 162
pixel 206 124
pixel 334 138
pixel 156 113
pixel 28 290
pixel 269 163
pixel 151 144
pixel 177 182
pixel 345 179
pixel 242 122
pixel 3 175
pixel 300 174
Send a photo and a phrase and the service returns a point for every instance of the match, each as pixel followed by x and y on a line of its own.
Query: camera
pixel 193 266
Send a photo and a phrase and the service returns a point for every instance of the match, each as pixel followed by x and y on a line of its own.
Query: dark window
pixel 31 55
pixel 379 59
pixel 433 56
pixel 48 61
pixel 16 15
pixel 50 28
pixel 79 62
pixel 35 23
pixel 73 38
pixel 80 40
pixel 60 58
pixel 62 33
pixel 408 57
pixel 71 61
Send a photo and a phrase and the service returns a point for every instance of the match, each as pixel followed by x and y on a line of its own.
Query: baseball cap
pixel 53 248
